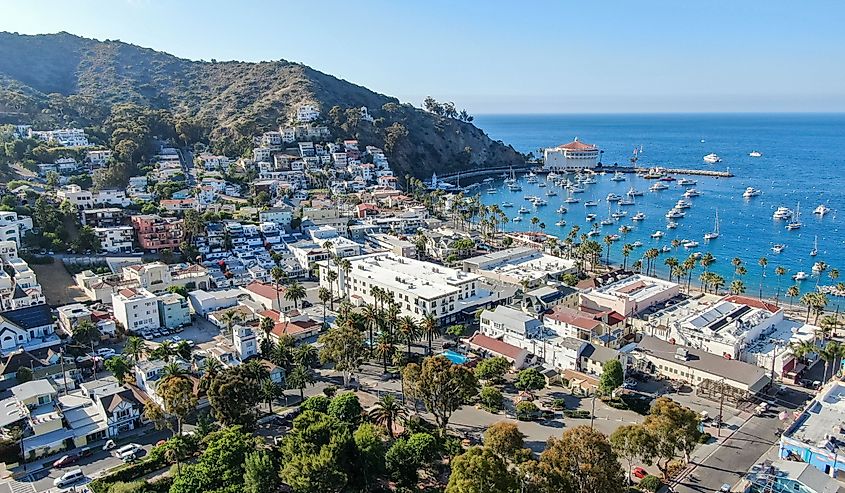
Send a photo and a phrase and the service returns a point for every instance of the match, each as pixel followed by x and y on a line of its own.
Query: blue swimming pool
pixel 456 358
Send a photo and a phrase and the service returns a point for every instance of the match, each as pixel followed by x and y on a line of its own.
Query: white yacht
pixel 612 197
pixel 552 176
pixel 619 214
pixel 637 244
pixel 782 213
pixel 618 176
pixel 821 210
pixel 523 210
pixel 589 181
pixel 658 186
pixel 817 267
pixel 800 276
pixel 691 193
pixel 607 222
pixel 615 237
pixel 686 182
pixel 542 184
pixel 666 249
pixel 755 154
pixel 514 187
pixel 639 216
pixel 778 247
pixel 682 204
pixel 624 229
pixel 671 225
pixel 751 192
pixel 594 232
pixel 551 192
pixel 690 244
pixel 576 189
pixel 560 223
pixel 627 201
pixel 591 217
pixel 675 214
pixel 572 200
pixel 591 203
pixel 658 234
pixel 712 235
pixel 633 192
pixel 507 204
pixel 712 158
pixel 538 202
pixel 561 210
pixel 815 250
pixel 517 219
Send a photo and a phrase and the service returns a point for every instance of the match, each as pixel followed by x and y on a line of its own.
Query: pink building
pixel 156 232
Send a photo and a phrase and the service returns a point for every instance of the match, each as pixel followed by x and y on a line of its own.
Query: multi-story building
pixel 136 309
pixel 116 239
pixel 155 232
pixel 173 311
pixel 268 296
pixel 86 199
pixel 27 328
pixel 817 436
pixel 99 157
pixel 262 154
pixel 519 265
pixel 575 155
pixel 70 315
pixel 67 137
pixel 419 288
pixel 158 276
pixel 13 227
pixel 631 295
pixel 103 217
pixel 282 216
pixel 307 113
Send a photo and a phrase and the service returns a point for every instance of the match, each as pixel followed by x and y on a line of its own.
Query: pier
pixel 538 168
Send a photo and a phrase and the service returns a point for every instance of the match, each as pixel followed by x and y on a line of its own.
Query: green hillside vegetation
pixel 63 80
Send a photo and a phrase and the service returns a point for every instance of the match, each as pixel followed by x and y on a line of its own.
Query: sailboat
pixel 715 233
pixel 815 250
pixel 795 223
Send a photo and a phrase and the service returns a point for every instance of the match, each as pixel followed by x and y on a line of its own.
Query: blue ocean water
pixel 802 163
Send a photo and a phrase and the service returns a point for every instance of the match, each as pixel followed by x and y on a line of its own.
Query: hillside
pixel 62 79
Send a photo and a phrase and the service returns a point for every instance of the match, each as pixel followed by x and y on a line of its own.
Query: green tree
pixel 347 408
pixel 317 403
pixel 234 397
pixel 611 377
pixel 492 369
pixel 260 473
pixel 85 332
pixel 344 346
pixel 529 380
pixel 633 442
pixel 370 448
pixel 119 367
pixel 442 386
pixel 316 454
pixel 674 428
pixel 24 374
pixel 177 393
pixel 491 398
pixel 505 439
pixel 480 470
pixel 581 461
pixel 221 465
pixel 295 292
pixel 401 464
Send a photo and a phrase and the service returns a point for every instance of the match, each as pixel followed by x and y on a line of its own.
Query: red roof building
pixel 514 354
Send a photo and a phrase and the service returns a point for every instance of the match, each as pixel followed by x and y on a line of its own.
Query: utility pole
pixel 721 407
pixel 62 362
pixel 593 412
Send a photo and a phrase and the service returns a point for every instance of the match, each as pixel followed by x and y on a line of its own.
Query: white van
pixel 127 453
pixel 68 478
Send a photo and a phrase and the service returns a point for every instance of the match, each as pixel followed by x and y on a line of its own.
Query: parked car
pixel 106 353
pixel 726 488
pixel 66 460
pixel 109 445
pixel 69 478
pixel 639 473
pixel 128 453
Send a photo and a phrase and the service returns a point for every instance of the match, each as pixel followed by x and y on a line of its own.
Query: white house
pixel 575 155
pixel 116 239
pixel 307 113
pixel 136 309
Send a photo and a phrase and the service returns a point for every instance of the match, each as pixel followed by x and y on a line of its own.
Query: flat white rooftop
pixel 637 288
pixel 424 279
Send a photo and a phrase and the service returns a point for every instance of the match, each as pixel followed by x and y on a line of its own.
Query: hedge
pixel 577 413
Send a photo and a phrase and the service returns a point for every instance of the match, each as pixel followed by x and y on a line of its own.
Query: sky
pixel 492 56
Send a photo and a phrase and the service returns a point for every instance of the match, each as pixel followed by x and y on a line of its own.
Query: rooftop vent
pixel 681 354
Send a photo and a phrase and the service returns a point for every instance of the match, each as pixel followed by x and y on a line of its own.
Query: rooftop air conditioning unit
pixel 681 354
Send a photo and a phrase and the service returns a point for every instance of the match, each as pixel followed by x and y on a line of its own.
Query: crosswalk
pixel 16 486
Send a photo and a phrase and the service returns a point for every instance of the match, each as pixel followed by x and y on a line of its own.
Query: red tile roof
pixel 271 314
pixel 294 328
pixel 265 290
pixel 573 317
pixel 576 145
pixel 496 346
pixel 752 302
pixel 127 292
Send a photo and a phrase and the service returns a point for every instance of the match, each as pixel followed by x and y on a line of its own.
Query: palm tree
pixel 164 351
pixel 819 304
pixel 672 263
pixel 809 300
pixel 266 326
pixel 737 263
pixel 717 283
pixel 792 292
pixel 627 248
pixel 324 295
pixel 183 350
pixel 135 348
pixel 409 330
pixel 331 276
pixel 299 378
pixel 384 349
pixel 278 276
pixel 737 287
pixel 295 292
pixel 305 355
pixel 534 221
pixel 820 268
pixel 386 412
pixel 230 318
pixel 779 272
pixel 430 328
pixel 830 353
pixel 371 317
pixel 172 370
pixel 763 262
pixel 803 349
pixel 833 275
pixel 608 240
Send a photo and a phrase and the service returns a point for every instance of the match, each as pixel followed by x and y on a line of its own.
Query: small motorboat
pixel 691 193
pixel 778 247
pixel 633 192
pixel 671 225
pixel 751 192
pixel 612 197
pixel 712 158
pixel 560 223
pixel 517 219
pixel 637 244
pixel 675 214
pixel 591 203
pixel 627 202
pixel 638 217
pixel 619 214
pixel 607 222
pixel 686 182
pixel 821 210
pixel 658 186
pixel 523 210
pixel 507 204
pixel 591 217
pixel 755 154
pixel 658 234
pixel 618 177
pixel 561 210
pixel 690 244
pixel 571 200
pixel 800 276
pixel 614 237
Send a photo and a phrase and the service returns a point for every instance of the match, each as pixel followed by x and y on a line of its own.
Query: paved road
pixel 42 481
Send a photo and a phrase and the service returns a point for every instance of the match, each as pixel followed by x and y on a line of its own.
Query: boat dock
pixel 537 168
pixel 670 171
